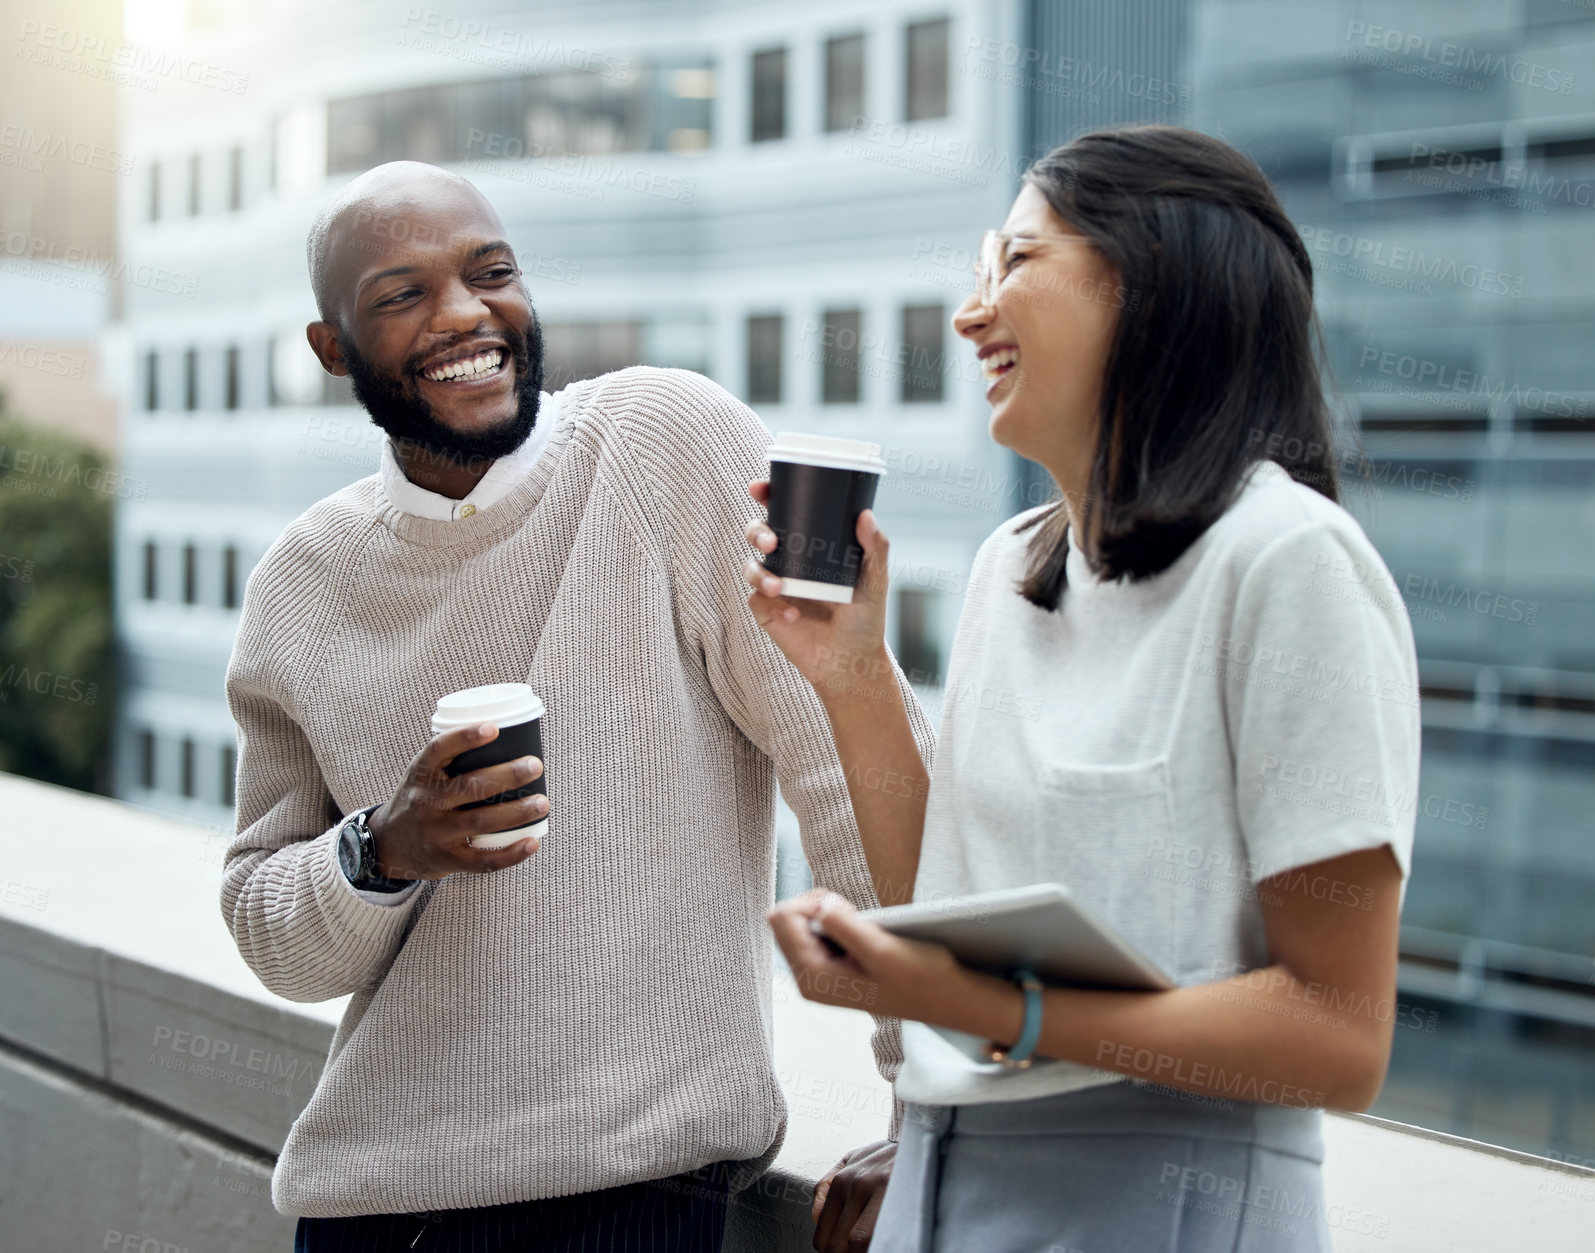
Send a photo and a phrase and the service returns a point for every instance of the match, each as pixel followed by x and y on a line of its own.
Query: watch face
pixel 349 851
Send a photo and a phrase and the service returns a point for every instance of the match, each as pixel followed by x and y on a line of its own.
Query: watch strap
pixel 1019 1056
pixel 366 878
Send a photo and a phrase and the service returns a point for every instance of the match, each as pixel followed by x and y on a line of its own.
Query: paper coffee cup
pixel 517 712
pixel 819 484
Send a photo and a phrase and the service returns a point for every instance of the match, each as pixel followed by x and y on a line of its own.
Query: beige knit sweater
pixel 600 1013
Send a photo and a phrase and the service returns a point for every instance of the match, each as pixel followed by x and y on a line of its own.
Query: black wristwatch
pixel 357 855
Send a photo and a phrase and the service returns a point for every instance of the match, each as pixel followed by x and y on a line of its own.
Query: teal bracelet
pixel 1018 1057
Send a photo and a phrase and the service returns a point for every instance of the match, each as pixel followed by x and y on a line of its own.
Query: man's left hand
pixel 847 1201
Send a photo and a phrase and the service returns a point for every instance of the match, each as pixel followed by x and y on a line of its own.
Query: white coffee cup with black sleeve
pixel 819 484
pixel 517 711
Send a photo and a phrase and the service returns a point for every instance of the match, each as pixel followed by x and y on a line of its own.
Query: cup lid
pixel 828 450
pixel 502 704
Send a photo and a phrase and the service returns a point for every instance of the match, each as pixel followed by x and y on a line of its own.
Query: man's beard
pixel 396 404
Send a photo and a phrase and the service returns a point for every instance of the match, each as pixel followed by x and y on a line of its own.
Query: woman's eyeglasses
pixel 992 261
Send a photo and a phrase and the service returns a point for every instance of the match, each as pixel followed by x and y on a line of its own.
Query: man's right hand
pixel 423 833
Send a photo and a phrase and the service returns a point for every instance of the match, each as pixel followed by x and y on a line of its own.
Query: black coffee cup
pixel 517 712
pixel 819 484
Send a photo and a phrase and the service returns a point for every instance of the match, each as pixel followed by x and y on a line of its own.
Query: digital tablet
pixel 1043 927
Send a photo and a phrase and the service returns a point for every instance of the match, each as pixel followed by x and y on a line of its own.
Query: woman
pixel 1217 745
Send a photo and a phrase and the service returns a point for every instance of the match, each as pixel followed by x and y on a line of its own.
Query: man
pixel 546 1048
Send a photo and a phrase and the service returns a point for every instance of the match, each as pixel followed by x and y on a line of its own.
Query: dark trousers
pixel 680 1214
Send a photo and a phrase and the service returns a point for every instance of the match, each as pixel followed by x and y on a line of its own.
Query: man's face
pixel 434 325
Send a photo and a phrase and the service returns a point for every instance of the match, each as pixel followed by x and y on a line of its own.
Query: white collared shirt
pixel 497 483
pixel 500 478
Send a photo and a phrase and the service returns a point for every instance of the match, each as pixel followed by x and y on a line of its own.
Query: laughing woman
pixel 1187 689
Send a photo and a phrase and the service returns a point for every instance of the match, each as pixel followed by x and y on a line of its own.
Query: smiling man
pixel 555 1047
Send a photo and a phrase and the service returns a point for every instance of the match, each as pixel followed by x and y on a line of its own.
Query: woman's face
pixel 1044 340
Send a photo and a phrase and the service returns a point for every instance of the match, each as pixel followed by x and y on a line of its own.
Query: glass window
pixel 190 574
pixel 191 378
pixel 186 768
pixel 844 81
pixel 230 577
pixel 622 107
pixel 229 775
pixel 839 357
pixel 195 186
pixel 146 760
pixel 918 637
pixel 231 384
pixel 923 356
pixel 769 95
pixel 581 112
pixel 152 571
pixel 235 179
pixel 584 350
pixel 681 112
pixel 925 78
pixel 153 204
pixel 764 359
pixel 152 381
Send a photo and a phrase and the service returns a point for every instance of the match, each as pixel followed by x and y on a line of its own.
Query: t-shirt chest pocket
pixel 1107 827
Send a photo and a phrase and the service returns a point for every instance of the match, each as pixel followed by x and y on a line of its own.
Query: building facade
pixel 1439 161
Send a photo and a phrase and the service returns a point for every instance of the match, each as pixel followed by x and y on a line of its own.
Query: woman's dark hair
pixel 1215 363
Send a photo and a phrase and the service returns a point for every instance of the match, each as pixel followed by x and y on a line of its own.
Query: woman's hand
pixel 833 646
pixel 878 971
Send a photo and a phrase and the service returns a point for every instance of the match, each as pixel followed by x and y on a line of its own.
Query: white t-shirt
pixel 1161 747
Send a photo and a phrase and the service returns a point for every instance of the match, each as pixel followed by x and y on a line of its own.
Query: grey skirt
pixel 1122 1168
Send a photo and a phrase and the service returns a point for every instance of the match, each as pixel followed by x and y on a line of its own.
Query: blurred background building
pixel 60 167
pixel 786 198
pixel 1440 163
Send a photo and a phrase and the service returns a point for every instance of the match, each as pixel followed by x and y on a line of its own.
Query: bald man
pixel 549 1048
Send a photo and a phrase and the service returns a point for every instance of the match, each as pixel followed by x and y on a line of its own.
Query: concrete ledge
pixel 239 1066
pixel 83 1168
pixel 147 1079
pixel 52 1000
pixel 1394 1186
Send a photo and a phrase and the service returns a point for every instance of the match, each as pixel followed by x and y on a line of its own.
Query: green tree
pixel 57 661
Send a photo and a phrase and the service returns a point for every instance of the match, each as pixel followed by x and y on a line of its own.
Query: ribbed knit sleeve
pixel 297 922
pixel 699 448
